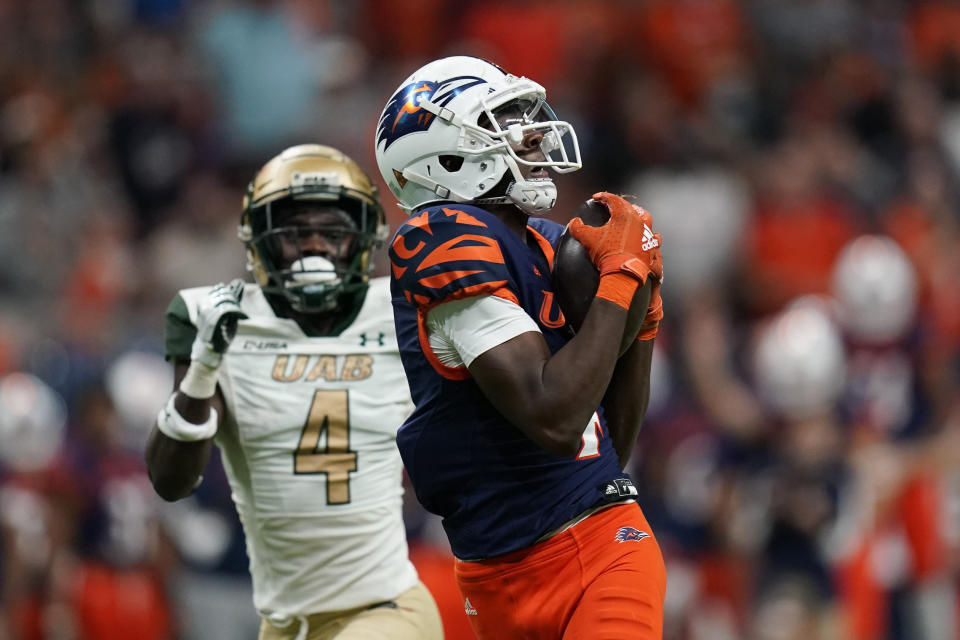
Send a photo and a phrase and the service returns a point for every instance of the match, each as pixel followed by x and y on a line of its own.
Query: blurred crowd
pixel 800 464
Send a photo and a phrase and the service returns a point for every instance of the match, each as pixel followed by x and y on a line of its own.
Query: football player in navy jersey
pixel 521 429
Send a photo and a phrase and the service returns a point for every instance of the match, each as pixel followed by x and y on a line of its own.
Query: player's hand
pixel 626 243
pixel 217 318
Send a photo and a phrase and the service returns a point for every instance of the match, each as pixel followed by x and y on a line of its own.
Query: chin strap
pixel 530 196
pixel 533 196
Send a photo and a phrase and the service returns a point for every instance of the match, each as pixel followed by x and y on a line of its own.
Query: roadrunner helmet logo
pixel 629 533
pixel 404 112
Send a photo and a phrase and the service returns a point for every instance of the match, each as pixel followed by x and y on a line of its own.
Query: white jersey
pixel 308 446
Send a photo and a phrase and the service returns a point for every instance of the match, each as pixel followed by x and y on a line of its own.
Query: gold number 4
pixel 328 412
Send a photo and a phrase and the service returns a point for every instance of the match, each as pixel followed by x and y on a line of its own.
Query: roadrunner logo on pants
pixel 629 533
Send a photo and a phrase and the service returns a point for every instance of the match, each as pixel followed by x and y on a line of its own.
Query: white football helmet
pixel 326 178
pixel 138 382
pixel 33 421
pixel 451 132
pixel 799 362
pixel 875 285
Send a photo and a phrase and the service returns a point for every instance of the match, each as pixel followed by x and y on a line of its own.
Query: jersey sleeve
pixel 462 330
pixel 449 253
pixel 178 332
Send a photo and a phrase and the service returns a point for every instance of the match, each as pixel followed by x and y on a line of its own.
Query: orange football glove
pixel 624 246
pixel 651 322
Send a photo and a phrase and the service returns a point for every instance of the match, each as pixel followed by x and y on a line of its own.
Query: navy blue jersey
pixel 496 489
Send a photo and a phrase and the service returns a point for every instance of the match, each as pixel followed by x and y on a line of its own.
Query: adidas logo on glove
pixel 649 242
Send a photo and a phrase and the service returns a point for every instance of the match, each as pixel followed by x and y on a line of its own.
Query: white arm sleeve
pixel 461 330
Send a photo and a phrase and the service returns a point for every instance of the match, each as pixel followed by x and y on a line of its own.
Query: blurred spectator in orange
pixel 695 46
pixel 118 588
pixel 799 226
pixel 37 511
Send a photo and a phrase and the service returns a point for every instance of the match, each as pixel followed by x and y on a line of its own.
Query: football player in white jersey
pixel 298 381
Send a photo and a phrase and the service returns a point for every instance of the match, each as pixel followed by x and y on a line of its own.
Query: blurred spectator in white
pixel 875 286
pixel 800 369
pixel 213 601
pixel 702 213
pixel 899 487
pixel 37 511
pixel 136 381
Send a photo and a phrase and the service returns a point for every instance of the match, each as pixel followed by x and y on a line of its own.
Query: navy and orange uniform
pixel 496 489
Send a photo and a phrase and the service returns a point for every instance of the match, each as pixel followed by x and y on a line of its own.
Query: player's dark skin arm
pixel 625 403
pixel 175 467
pixel 551 398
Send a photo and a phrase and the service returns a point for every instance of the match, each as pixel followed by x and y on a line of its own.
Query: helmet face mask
pixel 470 109
pixel 516 120
pixel 311 221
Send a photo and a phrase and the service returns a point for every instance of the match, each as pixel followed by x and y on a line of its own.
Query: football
pixel 575 278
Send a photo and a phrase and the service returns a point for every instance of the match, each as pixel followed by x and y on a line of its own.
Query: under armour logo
pixel 364 338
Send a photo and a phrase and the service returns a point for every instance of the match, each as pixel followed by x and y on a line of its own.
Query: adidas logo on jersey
pixel 649 242
pixel 468 608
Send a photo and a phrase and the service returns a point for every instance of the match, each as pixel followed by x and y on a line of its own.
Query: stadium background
pixel 764 135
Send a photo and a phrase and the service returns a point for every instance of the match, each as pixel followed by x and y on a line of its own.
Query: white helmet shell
pixel 33 421
pixel 138 382
pixel 439 140
pixel 799 362
pixel 876 288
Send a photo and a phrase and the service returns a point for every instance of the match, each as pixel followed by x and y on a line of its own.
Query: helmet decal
pixel 404 113
pixel 465 92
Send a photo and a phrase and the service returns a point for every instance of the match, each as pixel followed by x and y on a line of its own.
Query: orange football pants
pixel 602 579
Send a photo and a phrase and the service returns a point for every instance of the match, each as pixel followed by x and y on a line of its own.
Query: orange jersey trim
pixel 544 245
pixel 421 221
pixel 442 279
pixel 400 248
pixel 545 307
pixel 463 217
pixel 461 372
pixel 487 251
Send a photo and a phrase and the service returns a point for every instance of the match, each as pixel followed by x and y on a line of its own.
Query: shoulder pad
pixel 447 253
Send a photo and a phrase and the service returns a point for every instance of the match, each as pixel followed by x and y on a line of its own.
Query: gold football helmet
pixel 316 178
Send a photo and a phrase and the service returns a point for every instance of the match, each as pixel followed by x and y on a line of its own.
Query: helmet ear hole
pixel 440 136
pixel 451 163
